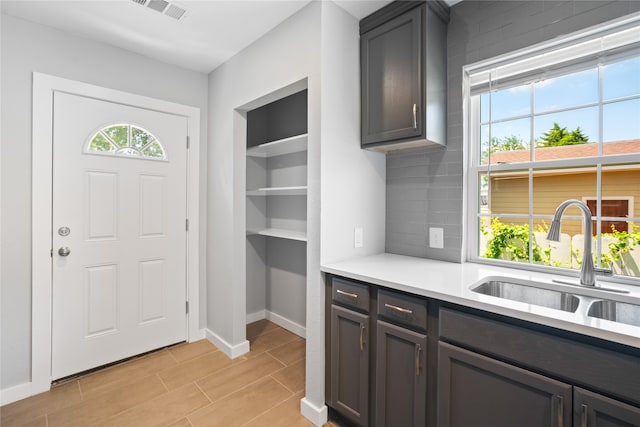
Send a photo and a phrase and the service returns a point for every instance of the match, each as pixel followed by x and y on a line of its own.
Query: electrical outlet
pixel 436 237
pixel 357 237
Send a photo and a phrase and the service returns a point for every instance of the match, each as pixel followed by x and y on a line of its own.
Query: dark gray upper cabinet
pixel 403 76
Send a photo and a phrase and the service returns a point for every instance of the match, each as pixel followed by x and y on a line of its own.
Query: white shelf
pixel 279 191
pixel 293 144
pixel 280 233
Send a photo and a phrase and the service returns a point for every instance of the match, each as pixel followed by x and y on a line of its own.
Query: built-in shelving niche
pixel 276 212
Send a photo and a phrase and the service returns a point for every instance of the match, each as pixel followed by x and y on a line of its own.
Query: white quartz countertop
pixel 452 282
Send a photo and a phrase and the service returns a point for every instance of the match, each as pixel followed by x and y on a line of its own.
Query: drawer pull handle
pixel 399 309
pixel 559 412
pixel 583 415
pixel 361 337
pixel 415 116
pixel 418 350
pixel 347 294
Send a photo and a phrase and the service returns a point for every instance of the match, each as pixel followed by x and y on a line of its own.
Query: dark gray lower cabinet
pixel 477 391
pixel 593 410
pixel 350 364
pixel 401 376
pixel 482 370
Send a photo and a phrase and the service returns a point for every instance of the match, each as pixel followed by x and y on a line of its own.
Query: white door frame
pixel 44 87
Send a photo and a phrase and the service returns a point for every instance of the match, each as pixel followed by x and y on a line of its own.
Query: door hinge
pixel 186 308
pixel 188 142
pixel 187 224
pixel 51 253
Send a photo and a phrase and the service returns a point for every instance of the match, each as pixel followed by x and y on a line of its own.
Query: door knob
pixel 64 251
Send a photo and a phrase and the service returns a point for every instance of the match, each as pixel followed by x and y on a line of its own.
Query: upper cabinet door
pixel 391 80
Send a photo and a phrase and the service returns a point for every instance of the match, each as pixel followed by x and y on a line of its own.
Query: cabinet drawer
pixel 608 371
pixel 350 294
pixel 403 309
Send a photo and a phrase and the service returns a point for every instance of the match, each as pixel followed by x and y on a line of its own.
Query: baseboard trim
pixel 317 415
pixel 15 393
pixel 258 315
pixel 290 326
pixel 232 351
pixel 281 321
pixel 202 334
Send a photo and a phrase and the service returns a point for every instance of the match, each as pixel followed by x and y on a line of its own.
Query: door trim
pixel 44 86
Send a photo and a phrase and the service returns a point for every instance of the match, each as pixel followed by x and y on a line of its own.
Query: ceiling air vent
pixel 174 11
pixel 158 5
pixel 171 10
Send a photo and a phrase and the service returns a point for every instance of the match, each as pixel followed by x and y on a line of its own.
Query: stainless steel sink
pixel 616 311
pixel 529 294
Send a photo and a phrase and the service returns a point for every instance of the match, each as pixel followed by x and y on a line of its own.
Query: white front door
pixel 119 238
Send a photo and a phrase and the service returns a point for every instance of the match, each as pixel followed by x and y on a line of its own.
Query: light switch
pixel 436 237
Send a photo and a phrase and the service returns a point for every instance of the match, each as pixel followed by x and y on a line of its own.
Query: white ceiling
pixel 210 32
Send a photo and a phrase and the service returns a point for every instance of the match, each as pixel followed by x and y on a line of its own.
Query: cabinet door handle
pixel 559 412
pixel 399 309
pixel 347 294
pixel 583 415
pixel 361 337
pixel 415 116
pixel 417 356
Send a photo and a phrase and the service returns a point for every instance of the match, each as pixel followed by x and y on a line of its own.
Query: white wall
pixel 25 48
pixel 353 180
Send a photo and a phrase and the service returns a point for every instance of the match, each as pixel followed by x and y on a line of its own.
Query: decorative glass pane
pixel 126 141
pixel 154 150
pixel 140 137
pixel 118 134
pixel 100 143
pixel 128 151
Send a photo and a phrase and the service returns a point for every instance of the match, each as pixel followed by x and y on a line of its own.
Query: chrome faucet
pixel 587 272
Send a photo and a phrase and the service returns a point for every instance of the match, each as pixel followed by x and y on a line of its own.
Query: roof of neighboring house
pixel 566 152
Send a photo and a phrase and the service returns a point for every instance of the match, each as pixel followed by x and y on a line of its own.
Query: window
pixel 126 140
pixel 557 122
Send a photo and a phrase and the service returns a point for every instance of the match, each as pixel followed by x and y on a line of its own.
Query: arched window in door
pixel 126 140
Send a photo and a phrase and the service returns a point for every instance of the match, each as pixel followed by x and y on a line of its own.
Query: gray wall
pixel 424 189
pixel 26 48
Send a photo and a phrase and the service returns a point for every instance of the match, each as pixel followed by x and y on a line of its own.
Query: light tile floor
pixel 187 385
